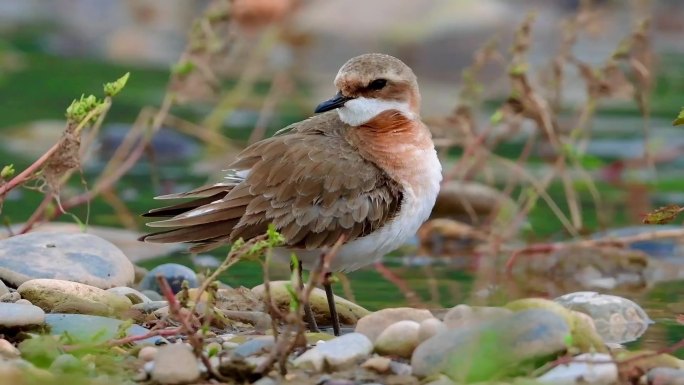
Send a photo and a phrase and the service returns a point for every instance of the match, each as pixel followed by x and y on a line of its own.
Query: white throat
pixel 361 110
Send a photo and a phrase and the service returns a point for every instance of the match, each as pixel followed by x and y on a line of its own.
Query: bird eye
pixel 377 84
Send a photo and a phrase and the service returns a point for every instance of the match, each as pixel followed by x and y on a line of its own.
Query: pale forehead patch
pixel 368 67
pixel 361 110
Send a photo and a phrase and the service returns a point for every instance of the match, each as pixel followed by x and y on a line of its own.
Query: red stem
pixel 26 174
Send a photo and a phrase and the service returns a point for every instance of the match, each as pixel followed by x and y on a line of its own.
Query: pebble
pixel 77 257
pixel 665 376
pixel 240 299
pixel 18 315
pixel 175 364
pixel 254 346
pixel 399 339
pixel 3 289
pixel 464 315
pixel 584 335
pixel 374 324
pixel 377 364
pixel 265 381
pixel 349 312
pixel 229 345
pixel 601 371
pixel 441 380
pixel 57 296
pixel 135 296
pixel 213 348
pixel 226 337
pixel 152 295
pixel 140 273
pixel 340 353
pixel 10 297
pixel 315 338
pixel 429 328
pixel 260 320
pixel 95 328
pixel 617 319
pixel 174 273
pixel 400 368
pixel 148 367
pixel 255 361
pixel 147 353
pixel 161 312
pixel 7 350
pixel 480 352
pixel 339 381
pixel 150 307
pixel 23 302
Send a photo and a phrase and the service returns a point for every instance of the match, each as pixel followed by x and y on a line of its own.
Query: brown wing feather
pixel 312 184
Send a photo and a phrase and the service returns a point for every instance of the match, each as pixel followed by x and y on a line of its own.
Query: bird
pixel 362 170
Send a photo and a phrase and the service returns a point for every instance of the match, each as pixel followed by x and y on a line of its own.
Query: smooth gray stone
pixel 149 307
pixel 3 289
pixel 152 295
pixel 135 296
pixel 339 353
pixel 254 346
pixel 18 315
pixel 617 319
pixel 492 349
pixel 76 257
pixel 174 273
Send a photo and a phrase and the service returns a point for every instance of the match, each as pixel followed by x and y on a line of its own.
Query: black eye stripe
pixel 377 84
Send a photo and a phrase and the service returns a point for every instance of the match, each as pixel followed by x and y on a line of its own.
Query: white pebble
pixel 399 339
pixel 147 353
pixel 602 371
pixel 429 328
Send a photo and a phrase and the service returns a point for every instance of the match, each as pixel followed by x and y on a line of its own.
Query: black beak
pixel 337 101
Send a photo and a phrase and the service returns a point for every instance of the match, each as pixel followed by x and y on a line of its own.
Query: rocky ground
pixel 74 309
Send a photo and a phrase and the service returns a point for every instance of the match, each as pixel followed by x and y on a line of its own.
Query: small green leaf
pixel 496 117
pixel 568 340
pixel 294 300
pixel 7 172
pixel 183 68
pixel 113 88
pixel 213 350
pixel 80 108
pixel 237 245
pixel 294 274
pixel 680 118
pixel 518 69
pixel 663 215
pixel 274 237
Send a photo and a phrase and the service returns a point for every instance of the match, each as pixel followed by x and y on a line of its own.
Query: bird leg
pixel 308 313
pixel 327 284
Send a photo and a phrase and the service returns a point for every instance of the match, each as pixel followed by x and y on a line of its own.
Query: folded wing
pixel 311 184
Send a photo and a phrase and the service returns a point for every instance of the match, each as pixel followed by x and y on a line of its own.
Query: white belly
pixel 416 207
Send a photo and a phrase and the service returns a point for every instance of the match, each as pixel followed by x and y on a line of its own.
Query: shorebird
pixel 363 168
